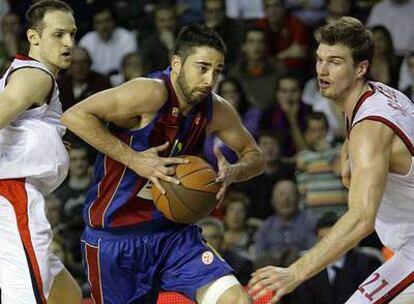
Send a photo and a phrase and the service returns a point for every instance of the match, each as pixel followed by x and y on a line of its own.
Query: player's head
pixel 343 57
pixel 198 59
pixel 51 33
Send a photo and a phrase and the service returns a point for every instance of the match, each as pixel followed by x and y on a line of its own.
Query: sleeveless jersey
pixel 31 145
pixel 118 196
pixel 395 219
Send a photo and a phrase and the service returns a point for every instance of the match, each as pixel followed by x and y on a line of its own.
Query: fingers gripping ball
pixel 195 196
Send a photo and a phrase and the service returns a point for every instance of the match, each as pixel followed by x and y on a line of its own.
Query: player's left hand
pixel 224 174
pixel 272 279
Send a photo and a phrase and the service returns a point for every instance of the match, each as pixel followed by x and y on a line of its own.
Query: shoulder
pixel 32 77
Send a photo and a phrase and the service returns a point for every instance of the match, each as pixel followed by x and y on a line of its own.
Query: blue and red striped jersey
pixel 120 198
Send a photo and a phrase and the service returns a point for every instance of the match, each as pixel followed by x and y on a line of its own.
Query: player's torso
pixel 31 145
pixel 118 196
pixel 394 222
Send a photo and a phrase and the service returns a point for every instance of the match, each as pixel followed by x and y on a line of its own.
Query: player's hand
pixel 272 279
pixel 224 174
pixel 150 165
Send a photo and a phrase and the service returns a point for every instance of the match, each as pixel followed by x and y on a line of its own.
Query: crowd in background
pixel 270 79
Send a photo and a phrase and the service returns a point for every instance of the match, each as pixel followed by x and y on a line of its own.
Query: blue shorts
pixel 131 266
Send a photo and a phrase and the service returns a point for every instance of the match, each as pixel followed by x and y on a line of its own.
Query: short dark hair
pixel 196 35
pixel 350 32
pixel 36 12
pixel 289 75
pixel 252 28
pixel 316 116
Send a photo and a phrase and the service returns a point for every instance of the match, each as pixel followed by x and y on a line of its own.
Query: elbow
pixel 365 224
pixel 69 118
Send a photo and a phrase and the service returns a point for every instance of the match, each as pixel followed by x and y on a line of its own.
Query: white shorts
pixel 27 266
pixel 392 283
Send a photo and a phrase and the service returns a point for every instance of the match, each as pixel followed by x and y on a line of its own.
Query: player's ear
pixel 33 36
pixel 176 64
pixel 362 69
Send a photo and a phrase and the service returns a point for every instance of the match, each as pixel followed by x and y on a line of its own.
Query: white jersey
pixel 31 145
pixel 395 219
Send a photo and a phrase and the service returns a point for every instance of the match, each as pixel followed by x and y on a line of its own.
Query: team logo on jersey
pixel 207 257
pixel 175 112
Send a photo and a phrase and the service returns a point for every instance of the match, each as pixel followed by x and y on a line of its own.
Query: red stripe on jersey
pixel 113 173
pixel 14 191
pixel 24 57
pixel 395 128
pixel 94 272
pixel 395 291
pixel 360 101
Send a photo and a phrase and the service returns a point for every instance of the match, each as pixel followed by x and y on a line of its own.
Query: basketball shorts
pixel 27 266
pixel 132 266
pixel 392 283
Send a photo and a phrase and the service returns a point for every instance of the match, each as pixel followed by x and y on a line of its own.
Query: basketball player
pixel 381 192
pixel 33 161
pixel 131 250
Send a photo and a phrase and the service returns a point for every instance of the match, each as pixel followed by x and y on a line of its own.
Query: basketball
pixel 195 196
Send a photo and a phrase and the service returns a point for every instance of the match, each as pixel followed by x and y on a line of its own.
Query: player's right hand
pixel 150 165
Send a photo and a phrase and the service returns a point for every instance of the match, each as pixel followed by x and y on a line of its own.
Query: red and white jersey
pixel 395 219
pixel 31 145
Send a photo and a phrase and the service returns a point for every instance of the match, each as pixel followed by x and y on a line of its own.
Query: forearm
pixel 92 130
pixel 250 164
pixel 346 233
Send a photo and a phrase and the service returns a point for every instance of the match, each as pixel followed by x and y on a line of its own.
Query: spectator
pixel 338 281
pixel 290 227
pixel 12 41
pixel 397 17
pixel 132 66
pixel 244 9
pixel 229 29
pixel 108 44
pixel 409 91
pixel 384 67
pixel 231 90
pixel 80 81
pixel 286 35
pixel 155 47
pixel 257 74
pixel 238 236
pixel 213 233
pixel 53 210
pixel 310 12
pixel 287 116
pixel 318 168
pixel 259 188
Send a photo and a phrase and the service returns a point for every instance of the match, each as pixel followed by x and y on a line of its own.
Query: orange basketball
pixel 195 196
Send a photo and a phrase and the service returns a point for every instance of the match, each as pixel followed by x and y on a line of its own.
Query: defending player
pixel 380 167
pixel 131 250
pixel 33 160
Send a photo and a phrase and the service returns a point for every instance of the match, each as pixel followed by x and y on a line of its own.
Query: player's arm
pixel 226 124
pixel 370 150
pixel 25 87
pixel 140 96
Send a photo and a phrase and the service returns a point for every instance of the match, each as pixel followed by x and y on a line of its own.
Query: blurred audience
pixel 132 67
pixel 291 227
pixel 155 47
pixel 318 168
pixel 79 82
pixel 287 115
pixel 213 232
pixel 287 36
pixel 384 66
pixel 256 72
pixel 107 44
pixel 409 91
pixel 12 37
pixel 259 188
pixel 244 9
pixel 238 236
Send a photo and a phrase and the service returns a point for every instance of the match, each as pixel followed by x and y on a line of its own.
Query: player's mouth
pixel 67 55
pixel 323 83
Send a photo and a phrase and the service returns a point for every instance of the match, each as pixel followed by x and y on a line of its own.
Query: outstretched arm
pixel 16 98
pixel 132 100
pixel 227 125
pixel 370 150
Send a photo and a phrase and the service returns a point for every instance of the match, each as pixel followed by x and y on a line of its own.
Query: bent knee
pixel 234 294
